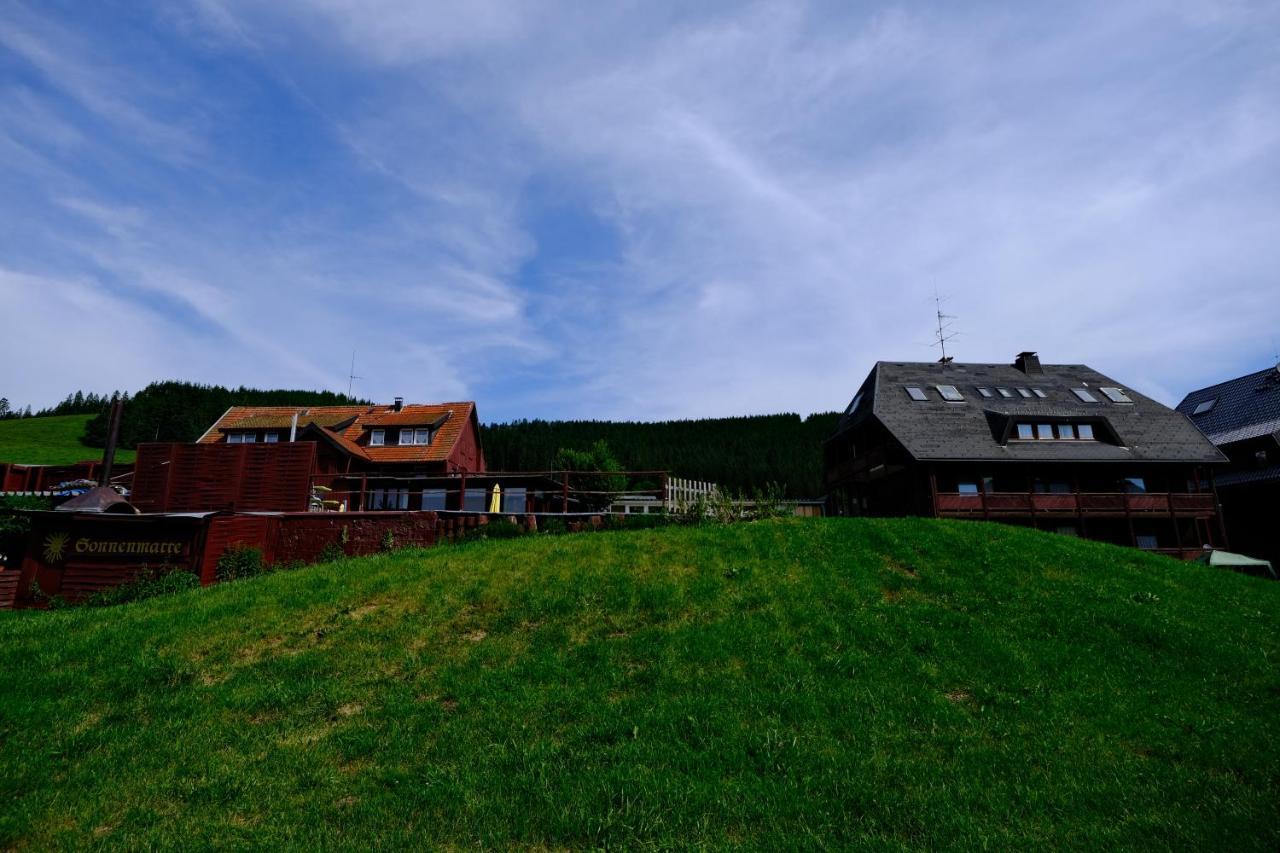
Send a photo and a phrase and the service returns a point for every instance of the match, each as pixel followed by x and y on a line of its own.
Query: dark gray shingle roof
pixel 940 430
pixel 1246 407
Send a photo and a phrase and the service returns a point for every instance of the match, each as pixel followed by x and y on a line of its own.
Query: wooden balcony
pixel 1095 504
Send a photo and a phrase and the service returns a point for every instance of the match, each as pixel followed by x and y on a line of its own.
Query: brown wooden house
pixel 1058 447
pixel 291 458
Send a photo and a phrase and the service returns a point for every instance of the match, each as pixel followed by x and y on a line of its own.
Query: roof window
pixel 1005 392
pixel 950 393
pixel 1054 432
pixel 1023 392
pixel 1116 395
pixel 916 393
pixel 986 392
pixel 1039 393
pixel 1084 395
pixel 1205 406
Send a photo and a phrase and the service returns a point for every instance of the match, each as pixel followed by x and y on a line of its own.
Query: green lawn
pixel 802 683
pixel 49 441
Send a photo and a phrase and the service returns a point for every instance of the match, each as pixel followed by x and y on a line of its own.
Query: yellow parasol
pixel 495 502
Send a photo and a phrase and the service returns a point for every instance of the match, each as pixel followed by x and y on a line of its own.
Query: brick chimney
pixel 1028 363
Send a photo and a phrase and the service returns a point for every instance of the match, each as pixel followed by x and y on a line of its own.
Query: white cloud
pixel 782 186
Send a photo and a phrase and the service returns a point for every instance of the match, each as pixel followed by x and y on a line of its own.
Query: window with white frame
pixel 271 437
pixel 421 436
pixel 377 437
pixel 406 436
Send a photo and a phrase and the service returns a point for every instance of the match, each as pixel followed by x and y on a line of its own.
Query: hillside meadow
pixel 884 684
pixel 52 440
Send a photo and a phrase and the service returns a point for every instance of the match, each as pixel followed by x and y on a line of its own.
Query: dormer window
pixel 421 436
pixel 1054 432
pixel 377 437
pixel 242 437
pixel 406 436
pixel 271 437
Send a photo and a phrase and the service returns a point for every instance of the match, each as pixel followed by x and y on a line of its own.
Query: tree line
pixel 741 454
pixel 78 403
pixel 182 411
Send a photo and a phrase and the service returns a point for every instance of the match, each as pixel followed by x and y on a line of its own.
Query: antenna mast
pixel 944 332
pixel 351 377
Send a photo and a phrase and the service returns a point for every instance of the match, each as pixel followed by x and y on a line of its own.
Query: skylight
pixel 916 393
pixel 986 392
pixel 1039 393
pixel 1205 406
pixel 1023 392
pixel 1116 395
pixel 1084 395
pixel 854 405
pixel 950 393
pixel 1005 392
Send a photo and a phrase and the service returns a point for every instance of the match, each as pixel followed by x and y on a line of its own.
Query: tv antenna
pixel 351 377
pixel 945 332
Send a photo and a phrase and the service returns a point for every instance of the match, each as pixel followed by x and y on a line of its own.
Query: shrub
pixel 330 553
pixel 149 584
pixel 239 562
pixel 388 542
pixel 500 529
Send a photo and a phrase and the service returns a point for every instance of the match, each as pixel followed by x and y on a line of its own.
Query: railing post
pixel 564 499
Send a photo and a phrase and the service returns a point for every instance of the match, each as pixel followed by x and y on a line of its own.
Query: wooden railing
pixel 1082 503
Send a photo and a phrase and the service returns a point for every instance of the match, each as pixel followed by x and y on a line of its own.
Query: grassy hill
pixel 903 683
pixel 51 440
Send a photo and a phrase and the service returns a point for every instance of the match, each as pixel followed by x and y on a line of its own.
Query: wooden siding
pixel 212 477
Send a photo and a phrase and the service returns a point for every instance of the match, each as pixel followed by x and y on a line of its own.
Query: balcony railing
pixel 1075 503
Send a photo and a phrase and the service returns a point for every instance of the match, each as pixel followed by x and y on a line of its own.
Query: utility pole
pixel 113 437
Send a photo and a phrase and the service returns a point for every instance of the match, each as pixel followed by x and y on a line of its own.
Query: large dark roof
pixel 1245 408
pixel 935 429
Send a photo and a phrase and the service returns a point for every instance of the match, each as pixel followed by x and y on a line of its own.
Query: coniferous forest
pixel 741 454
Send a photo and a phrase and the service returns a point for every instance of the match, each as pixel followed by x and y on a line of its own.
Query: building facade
pixel 1242 418
pixel 1056 447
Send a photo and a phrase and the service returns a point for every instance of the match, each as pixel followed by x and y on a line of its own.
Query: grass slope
pixel 51 440
pixel 835 682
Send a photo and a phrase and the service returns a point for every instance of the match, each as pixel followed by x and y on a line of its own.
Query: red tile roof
pixel 355 422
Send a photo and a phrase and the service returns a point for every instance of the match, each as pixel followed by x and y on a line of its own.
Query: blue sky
pixel 632 210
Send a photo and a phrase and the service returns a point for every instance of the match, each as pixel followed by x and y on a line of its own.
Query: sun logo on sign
pixel 55 546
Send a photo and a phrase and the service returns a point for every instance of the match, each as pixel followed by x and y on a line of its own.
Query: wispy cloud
pixel 652 210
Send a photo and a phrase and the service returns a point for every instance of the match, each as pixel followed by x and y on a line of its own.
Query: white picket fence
pixel 681 494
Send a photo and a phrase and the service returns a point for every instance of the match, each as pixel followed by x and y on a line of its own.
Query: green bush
pixel 15 527
pixel 149 584
pixel 500 529
pixel 239 562
pixel 330 553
